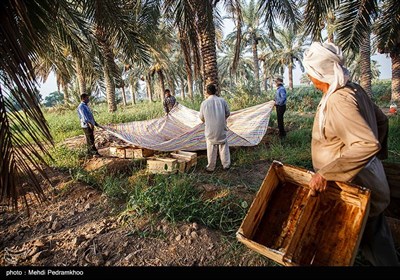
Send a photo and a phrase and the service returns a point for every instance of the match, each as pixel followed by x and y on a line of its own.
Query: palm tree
pixel 25 27
pixel 286 11
pixel 252 34
pixel 289 50
pixel 244 69
pixel 272 66
pixel 58 62
pixel 202 17
pixel 205 28
pixel 388 40
pixel 355 68
pixel 196 22
pixel 355 18
pixel 316 13
pixel 116 29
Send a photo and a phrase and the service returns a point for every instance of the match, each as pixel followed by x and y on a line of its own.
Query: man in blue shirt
pixel 280 105
pixel 88 123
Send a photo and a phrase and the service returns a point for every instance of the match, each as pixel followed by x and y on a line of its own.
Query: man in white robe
pixel 213 112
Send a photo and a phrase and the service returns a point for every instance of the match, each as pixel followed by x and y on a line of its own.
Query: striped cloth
pixel 182 129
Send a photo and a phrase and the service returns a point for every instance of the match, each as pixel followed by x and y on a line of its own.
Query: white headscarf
pixel 324 62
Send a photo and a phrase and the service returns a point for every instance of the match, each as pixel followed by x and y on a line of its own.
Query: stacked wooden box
pixel 287 225
pixel 179 161
pixel 130 152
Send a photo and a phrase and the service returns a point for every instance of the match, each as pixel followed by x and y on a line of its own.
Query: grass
pixel 177 198
pixel 394 139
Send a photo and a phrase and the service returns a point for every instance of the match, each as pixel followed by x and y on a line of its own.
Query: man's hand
pixel 90 125
pixel 317 184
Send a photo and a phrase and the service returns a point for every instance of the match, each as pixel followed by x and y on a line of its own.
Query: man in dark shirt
pixel 169 101
pixel 280 105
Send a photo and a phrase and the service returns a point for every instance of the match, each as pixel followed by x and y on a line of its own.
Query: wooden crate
pixel 122 151
pixel 162 165
pixel 181 165
pixel 142 153
pixel 287 225
pixel 189 157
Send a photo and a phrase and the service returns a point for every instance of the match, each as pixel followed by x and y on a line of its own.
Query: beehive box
pixel 287 225
pixel 162 165
pixel 190 158
pixel 122 151
pixel 142 153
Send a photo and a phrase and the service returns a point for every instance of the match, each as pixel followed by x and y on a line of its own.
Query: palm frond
pixel 24 134
pixel 315 14
pixel 354 22
pixel 284 10
pixel 234 8
pixel 388 26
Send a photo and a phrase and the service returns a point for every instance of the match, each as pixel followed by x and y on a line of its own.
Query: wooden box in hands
pixel 287 225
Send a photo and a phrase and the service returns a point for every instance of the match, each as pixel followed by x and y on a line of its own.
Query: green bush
pixel 381 92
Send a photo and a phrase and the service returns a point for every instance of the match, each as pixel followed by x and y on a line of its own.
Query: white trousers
pixel 212 152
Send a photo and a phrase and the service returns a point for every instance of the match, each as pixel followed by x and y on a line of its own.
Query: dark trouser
pixel 377 243
pixel 91 148
pixel 280 111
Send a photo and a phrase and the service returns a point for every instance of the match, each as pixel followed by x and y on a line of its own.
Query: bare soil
pixel 80 226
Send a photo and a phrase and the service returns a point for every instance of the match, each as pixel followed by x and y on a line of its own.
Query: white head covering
pixel 324 62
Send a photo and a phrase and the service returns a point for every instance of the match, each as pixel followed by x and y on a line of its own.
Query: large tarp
pixel 182 129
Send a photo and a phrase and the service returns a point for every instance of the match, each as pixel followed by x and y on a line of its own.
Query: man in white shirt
pixel 213 112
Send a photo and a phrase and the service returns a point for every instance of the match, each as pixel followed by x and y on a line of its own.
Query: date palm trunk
pixel 365 64
pixel 290 71
pixel 256 64
pixel 133 93
pixel 108 67
pixel 80 76
pixel 395 97
pixel 123 94
pixel 162 84
pixel 206 32
pixel 149 88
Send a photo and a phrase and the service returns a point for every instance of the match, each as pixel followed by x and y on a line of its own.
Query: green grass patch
pixel 176 198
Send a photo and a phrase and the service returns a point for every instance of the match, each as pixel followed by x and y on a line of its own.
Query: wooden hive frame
pixel 287 225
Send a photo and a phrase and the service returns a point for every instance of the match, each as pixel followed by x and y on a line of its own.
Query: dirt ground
pixel 80 227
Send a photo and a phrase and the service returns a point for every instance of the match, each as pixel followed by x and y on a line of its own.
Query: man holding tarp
pixel 213 112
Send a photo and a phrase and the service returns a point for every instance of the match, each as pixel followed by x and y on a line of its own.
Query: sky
pixel 383 60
